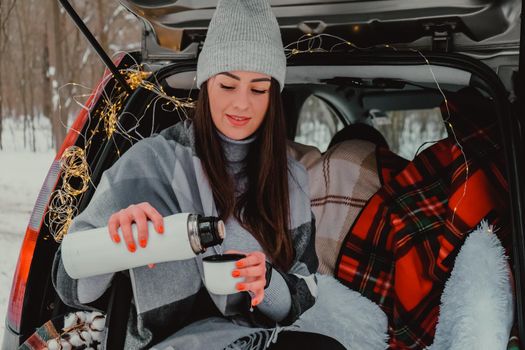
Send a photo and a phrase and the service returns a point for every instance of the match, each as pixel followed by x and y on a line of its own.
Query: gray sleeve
pixel 292 293
pixel 301 280
pixel 277 300
pixel 129 181
pixel 77 292
pixel 301 284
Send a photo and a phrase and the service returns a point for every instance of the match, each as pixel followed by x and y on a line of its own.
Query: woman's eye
pixel 255 91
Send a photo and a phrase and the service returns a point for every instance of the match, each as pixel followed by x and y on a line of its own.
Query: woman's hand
pixel 139 214
pixel 253 268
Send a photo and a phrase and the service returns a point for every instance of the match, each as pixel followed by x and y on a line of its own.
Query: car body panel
pixel 472 25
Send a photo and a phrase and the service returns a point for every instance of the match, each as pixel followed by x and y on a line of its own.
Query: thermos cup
pixel 93 252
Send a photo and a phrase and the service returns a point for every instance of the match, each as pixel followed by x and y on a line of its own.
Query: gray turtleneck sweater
pixel 277 300
pixel 165 171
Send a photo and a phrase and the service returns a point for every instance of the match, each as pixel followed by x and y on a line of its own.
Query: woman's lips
pixel 236 120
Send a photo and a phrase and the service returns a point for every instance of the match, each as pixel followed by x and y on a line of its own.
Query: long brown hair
pixel 264 208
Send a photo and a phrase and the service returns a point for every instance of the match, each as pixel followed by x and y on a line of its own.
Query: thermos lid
pixel 205 232
pixel 211 231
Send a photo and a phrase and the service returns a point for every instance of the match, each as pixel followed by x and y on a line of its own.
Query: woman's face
pixel 238 102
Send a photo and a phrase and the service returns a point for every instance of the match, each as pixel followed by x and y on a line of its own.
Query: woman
pixel 230 161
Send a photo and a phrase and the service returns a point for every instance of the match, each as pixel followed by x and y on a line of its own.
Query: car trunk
pixel 483 33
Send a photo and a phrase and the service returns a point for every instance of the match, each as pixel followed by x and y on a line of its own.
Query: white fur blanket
pixel 347 316
pixel 476 306
pixel 477 303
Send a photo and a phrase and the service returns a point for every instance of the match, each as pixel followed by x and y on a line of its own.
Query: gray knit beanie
pixel 242 35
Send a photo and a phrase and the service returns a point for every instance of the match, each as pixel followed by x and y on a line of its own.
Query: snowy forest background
pixel 47 70
pixel 47 67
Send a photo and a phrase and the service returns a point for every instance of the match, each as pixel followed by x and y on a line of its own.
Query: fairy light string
pixel 451 128
pixel 74 168
pixel 63 205
pixel 314 43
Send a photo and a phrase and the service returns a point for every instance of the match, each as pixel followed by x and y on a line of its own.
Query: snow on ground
pixel 13 135
pixel 21 176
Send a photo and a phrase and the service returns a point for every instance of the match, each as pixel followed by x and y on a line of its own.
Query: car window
pixel 411 131
pixel 317 123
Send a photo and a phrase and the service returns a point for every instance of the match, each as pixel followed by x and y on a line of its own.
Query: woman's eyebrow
pixel 228 74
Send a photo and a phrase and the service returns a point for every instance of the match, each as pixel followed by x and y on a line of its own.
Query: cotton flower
pixel 53 345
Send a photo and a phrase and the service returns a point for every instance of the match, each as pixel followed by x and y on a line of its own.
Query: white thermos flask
pixel 93 252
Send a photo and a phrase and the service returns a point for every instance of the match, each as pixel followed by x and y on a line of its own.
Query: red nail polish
pixel 239 264
pixel 255 302
pixel 132 248
pixel 161 229
pixel 236 273
pixel 241 286
pixel 117 239
pixel 143 243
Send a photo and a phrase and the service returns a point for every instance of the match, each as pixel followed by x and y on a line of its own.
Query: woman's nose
pixel 241 99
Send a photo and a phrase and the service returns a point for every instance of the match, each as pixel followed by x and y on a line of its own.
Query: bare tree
pixel 101 25
pixel 6 7
pixel 47 107
pixel 59 64
pixel 44 59
pixel 22 68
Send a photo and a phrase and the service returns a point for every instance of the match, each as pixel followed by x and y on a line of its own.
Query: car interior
pixel 355 94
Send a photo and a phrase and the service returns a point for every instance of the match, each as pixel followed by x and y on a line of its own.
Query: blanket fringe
pixel 254 341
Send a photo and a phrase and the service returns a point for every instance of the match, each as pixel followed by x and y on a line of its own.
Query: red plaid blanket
pixel 401 249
